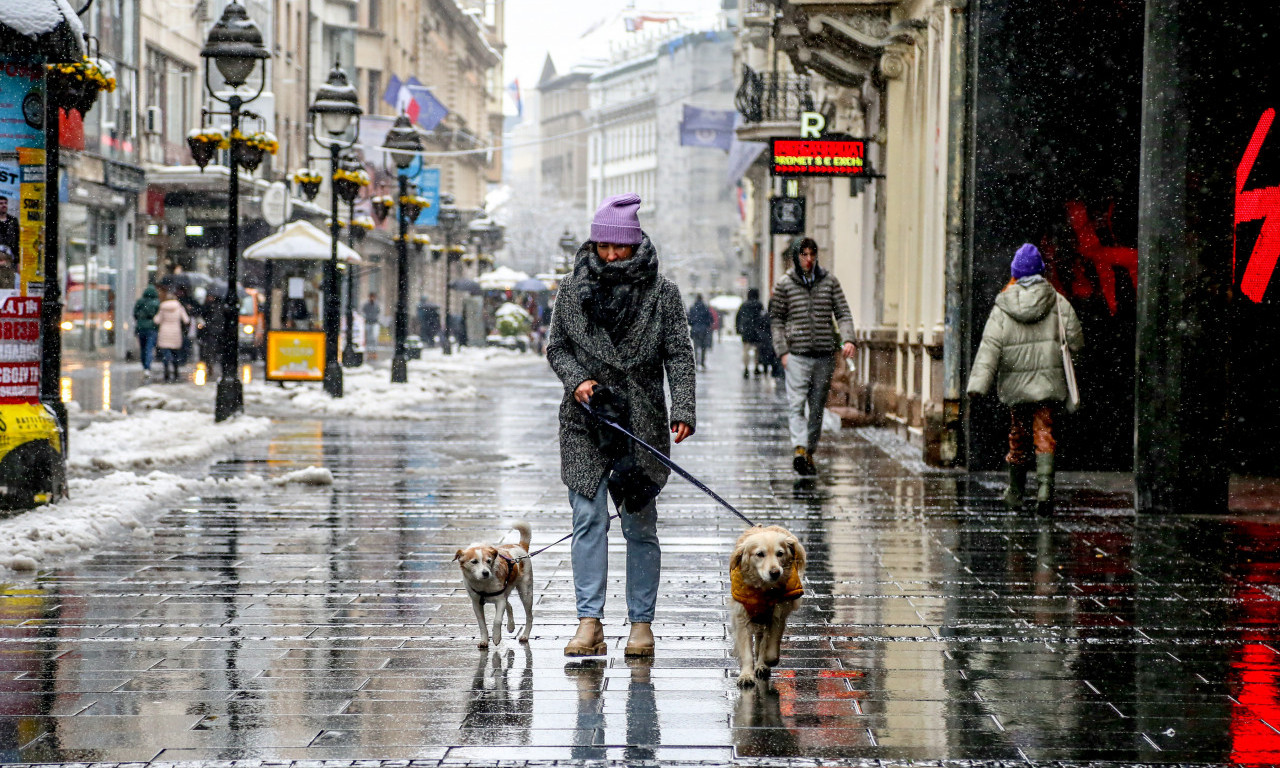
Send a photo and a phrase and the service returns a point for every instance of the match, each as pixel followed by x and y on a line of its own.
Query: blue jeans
pixel 147 346
pixel 590 554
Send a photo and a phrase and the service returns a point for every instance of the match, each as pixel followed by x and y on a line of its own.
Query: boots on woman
pixel 1017 486
pixel 589 640
pixel 1044 475
pixel 640 642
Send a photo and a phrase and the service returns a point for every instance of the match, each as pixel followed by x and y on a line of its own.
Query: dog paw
pixel 524 638
pixel 745 680
pixel 763 671
pixel 482 644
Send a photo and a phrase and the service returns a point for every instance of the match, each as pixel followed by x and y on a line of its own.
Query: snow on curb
pixel 149 439
pixel 98 509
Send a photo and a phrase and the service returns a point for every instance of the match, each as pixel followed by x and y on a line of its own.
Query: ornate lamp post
pixel 235 46
pixel 403 144
pixel 450 221
pixel 568 244
pixel 334 110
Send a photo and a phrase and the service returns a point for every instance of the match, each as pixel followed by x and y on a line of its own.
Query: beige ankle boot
pixel 640 643
pixel 589 640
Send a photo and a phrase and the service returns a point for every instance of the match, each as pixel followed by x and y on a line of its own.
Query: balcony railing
pixel 773 97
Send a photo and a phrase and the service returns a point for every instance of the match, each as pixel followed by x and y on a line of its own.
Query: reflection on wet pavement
pixel 329 623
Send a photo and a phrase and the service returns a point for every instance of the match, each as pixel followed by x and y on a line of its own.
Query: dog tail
pixel 522 528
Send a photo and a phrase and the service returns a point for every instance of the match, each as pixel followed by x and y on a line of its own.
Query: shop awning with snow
pixel 48 28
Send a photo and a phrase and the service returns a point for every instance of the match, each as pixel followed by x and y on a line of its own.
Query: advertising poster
pixel 428 182
pixel 20 350
pixel 295 356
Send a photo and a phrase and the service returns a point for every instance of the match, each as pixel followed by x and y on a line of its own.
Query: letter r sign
pixel 812 124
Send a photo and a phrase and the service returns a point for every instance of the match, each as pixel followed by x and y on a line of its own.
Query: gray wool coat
pixel 657 342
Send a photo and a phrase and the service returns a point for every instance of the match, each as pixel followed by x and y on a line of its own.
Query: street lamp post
pixel 235 46
pixel 403 144
pixel 449 219
pixel 337 106
pixel 569 245
pixel 351 357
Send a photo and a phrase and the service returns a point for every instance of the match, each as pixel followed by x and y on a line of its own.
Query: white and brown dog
pixel 764 573
pixel 492 571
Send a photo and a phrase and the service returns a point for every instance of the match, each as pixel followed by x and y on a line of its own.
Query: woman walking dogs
pixel 1021 350
pixel 617 327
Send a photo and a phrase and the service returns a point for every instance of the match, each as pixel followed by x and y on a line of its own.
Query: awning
pixel 47 27
pixel 501 279
pixel 299 240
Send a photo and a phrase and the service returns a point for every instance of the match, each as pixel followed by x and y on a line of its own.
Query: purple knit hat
pixel 616 221
pixel 1027 262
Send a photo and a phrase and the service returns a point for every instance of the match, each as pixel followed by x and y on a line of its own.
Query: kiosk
pixel 294 299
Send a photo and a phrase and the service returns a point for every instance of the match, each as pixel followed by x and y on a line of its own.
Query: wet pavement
pixel 300 623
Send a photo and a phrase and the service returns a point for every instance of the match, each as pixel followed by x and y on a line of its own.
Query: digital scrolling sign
pixel 820 157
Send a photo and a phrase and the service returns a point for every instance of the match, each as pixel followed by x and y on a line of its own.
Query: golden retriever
pixel 765 572
pixel 491 572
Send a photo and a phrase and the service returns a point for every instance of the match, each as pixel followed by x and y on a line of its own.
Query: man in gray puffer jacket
pixel 1021 352
pixel 805 339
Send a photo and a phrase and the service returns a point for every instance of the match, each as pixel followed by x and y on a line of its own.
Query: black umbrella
pixel 466 284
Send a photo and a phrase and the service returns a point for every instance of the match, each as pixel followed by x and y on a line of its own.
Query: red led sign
pixel 1254 204
pixel 819 157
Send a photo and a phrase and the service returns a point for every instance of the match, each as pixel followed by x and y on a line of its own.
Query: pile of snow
pixel 34 18
pixel 96 510
pixel 311 475
pixel 162 438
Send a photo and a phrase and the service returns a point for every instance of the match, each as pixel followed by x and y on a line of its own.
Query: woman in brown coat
pixel 170 320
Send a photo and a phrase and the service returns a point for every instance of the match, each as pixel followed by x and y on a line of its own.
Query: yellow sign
pixel 31 216
pixel 295 356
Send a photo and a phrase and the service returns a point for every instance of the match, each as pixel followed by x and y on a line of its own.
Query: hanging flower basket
pixel 203 143
pixel 413 206
pixel 77 85
pixel 360 226
pixel 347 183
pixel 247 151
pixel 380 207
pixel 308 181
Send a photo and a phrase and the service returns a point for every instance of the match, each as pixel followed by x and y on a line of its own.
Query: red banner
pixel 20 350
pixel 819 157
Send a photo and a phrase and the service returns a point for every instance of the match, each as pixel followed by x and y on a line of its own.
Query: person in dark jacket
pixel 144 325
pixel 700 326
pixel 806 340
pixel 1021 354
pixel 751 324
pixel 428 321
pixel 617 328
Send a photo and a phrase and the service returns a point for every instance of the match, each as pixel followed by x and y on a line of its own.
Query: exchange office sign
pixel 819 157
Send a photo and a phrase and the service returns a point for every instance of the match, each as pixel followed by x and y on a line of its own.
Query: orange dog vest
pixel 759 603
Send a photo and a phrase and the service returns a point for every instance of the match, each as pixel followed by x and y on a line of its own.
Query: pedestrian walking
pixel 371 314
pixel 171 321
pixel 751 324
pixel 802 307
pixel 209 328
pixel 618 326
pixel 428 321
pixel 700 323
pixel 144 326
pixel 1021 352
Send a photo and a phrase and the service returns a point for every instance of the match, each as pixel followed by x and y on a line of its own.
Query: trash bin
pixel 33 467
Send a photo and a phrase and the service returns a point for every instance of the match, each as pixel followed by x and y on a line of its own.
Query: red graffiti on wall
pixel 1105 258
pixel 1255 204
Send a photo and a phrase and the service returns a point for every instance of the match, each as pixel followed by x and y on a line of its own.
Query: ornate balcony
pixel 771 102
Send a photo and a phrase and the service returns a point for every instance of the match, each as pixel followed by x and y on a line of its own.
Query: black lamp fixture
pixel 235 47
pixel 403 144
pixel 569 245
pixel 335 109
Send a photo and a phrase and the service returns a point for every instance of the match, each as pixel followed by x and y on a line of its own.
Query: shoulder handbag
pixel 1068 368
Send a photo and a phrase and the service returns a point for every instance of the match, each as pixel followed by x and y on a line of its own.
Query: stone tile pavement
pixel 297 625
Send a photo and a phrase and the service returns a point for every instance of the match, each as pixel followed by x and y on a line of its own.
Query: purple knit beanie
pixel 1027 262
pixel 616 221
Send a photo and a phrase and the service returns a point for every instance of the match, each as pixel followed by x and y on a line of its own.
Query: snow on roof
pixel 34 18
pixel 298 240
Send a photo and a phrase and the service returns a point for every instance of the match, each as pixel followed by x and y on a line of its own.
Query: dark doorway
pixel 1057 103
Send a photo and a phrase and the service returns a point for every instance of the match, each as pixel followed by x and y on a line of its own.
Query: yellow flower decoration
pixel 307 176
pixel 210 136
pixel 359 178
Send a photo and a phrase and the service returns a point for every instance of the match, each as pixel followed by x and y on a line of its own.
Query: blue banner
pixel 428 181
pixel 707 128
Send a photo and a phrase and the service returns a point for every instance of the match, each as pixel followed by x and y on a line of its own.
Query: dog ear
pixel 799 556
pixel 735 559
pixel 457 555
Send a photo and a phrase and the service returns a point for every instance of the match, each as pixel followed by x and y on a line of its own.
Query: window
pixel 374 94
pixel 375 14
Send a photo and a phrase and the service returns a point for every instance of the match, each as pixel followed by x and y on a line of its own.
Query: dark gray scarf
pixel 610 292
